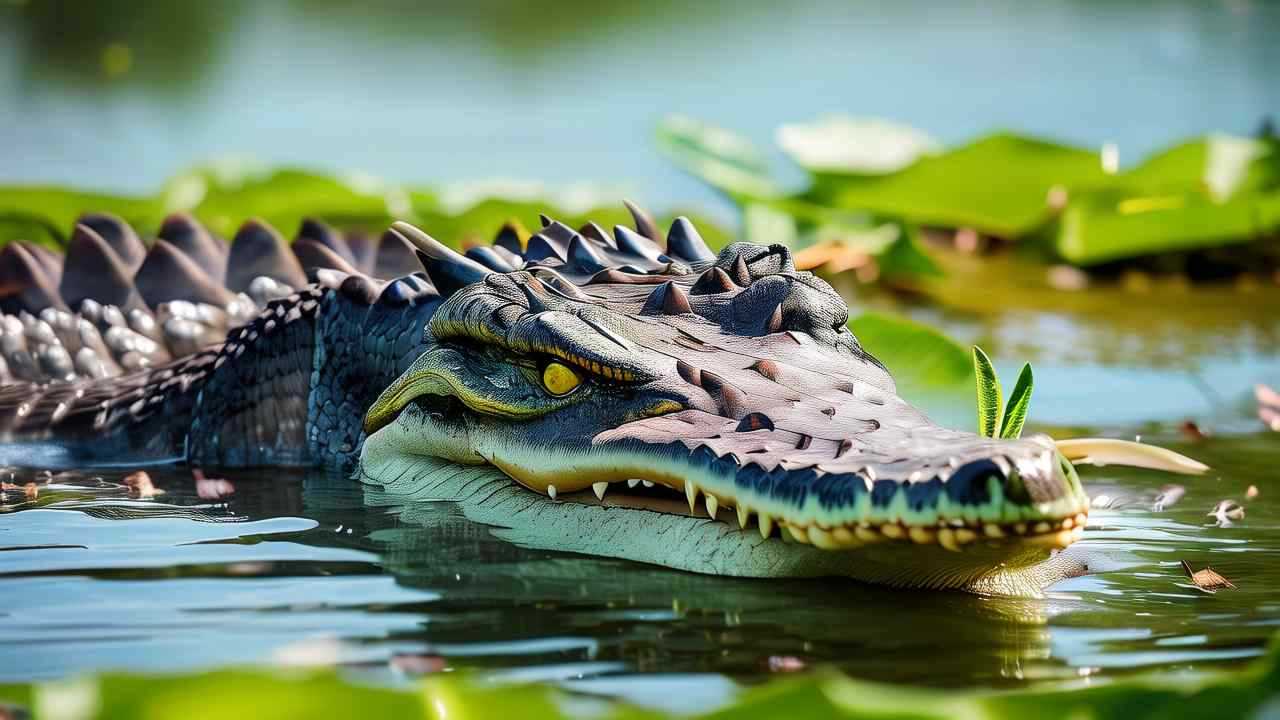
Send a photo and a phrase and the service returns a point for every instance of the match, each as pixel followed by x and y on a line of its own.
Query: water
pixel 315 569
pixel 570 91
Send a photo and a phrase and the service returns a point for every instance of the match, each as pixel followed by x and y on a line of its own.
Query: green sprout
pixel 990 421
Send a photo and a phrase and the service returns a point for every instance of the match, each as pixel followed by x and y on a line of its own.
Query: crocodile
pixel 628 394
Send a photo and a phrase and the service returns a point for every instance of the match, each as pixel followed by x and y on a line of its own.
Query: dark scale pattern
pixel 252 410
pixel 365 348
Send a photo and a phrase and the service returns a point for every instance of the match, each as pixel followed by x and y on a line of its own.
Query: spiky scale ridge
pixel 257 250
pixel 684 243
pixel 92 269
pixel 186 234
pixel 118 235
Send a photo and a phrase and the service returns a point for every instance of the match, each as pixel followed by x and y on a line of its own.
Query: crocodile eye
pixel 560 379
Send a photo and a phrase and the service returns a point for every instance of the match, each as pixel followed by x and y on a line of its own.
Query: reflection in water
pixel 317 569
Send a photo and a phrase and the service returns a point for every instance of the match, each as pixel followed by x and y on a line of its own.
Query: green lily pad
pixel 932 371
pixel 999 185
pixel 725 160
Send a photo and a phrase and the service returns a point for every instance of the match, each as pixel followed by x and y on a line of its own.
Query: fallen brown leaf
pixel 139 483
pixel 1208 579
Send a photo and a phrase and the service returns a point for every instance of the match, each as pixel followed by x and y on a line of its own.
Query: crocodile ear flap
pixel 449 271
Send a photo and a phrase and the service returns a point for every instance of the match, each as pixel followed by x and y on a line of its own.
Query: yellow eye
pixel 560 379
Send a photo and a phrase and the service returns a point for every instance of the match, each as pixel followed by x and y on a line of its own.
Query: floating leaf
pixel 864 146
pixel 931 370
pixel 990 398
pixel 723 159
pixel 1208 579
pixel 999 185
pixel 1015 412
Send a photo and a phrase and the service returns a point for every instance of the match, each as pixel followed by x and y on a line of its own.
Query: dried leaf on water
pixel 1168 497
pixel 1226 512
pixel 139 484
pixel 1207 580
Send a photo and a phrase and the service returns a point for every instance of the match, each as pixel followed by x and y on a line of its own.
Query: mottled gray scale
pixel 92 269
pixel 314 254
pixel 187 235
pixel 258 250
pixel 121 238
pixel 28 283
pixel 169 274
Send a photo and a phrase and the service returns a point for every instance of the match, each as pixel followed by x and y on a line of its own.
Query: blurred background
pixel 120 95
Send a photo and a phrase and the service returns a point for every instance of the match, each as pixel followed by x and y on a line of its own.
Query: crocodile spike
pixel 625 275
pixel 713 282
pixel 755 421
pixel 257 250
pixel 644 223
pixel 512 236
pixel 594 232
pixel 775 320
pixel 360 289
pixel 364 248
pixel 629 241
pixel 395 257
pixel 729 397
pixel 558 283
pixel 184 233
pixel 684 242
pixel 314 255
pixel 93 270
pixel 583 257
pixel 488 257
pixel 119 236
pixel 536 304
pixel 545 219
pixel 168 274
pixel 447 269
pixel 406 290
pixel 666 299
pixel 511 258
pixel 560 232
pixel 691 374
pixel 21 271
pixel 313 229
pixel 740 273
pixel 541 247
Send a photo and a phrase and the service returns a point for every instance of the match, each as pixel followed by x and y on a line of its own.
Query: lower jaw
pixel 583 524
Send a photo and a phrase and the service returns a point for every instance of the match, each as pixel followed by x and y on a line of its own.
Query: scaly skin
pixel 582 391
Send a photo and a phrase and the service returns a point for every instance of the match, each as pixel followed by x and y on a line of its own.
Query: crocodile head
pixel 633 382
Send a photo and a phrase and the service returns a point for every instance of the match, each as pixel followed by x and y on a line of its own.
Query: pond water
pixel 308 568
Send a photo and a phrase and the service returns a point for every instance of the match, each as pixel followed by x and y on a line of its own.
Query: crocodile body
pixel 524 381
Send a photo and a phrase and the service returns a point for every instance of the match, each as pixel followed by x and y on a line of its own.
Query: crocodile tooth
pixel 797 533
pixel 744 514
pixel 1041 528
pixel 1068 523
pixel 1020 528
pixel 894 532
pixel 647 483
pixel 947 539
pixel 599 489
pixel 844 537
pixel 992 530
pixel 712 505
pixel 766 524
pixel 867 534
pixel 551 491
pixel 822 539
pixel 922 535
pixel 691 493
pixel 964 536
pixel 633 482
pixel 1081 520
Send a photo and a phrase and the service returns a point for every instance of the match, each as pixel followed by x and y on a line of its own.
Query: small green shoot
pixel 991 423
